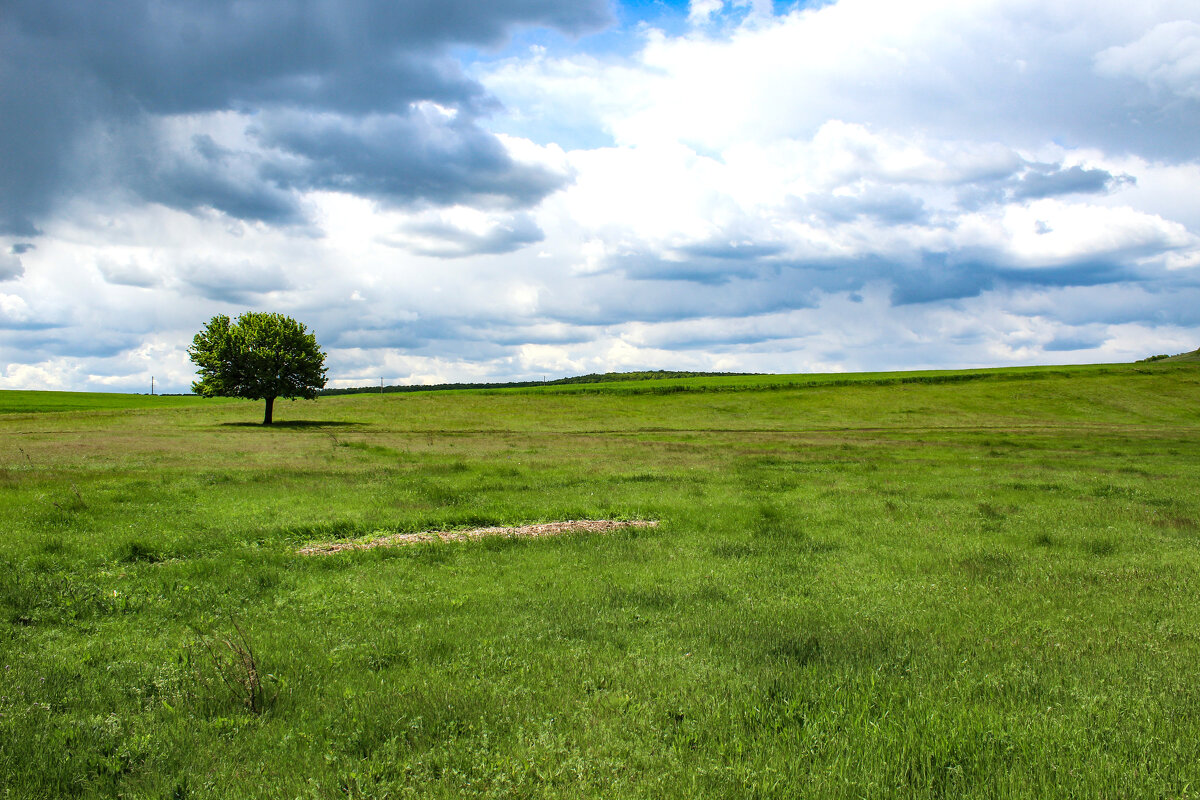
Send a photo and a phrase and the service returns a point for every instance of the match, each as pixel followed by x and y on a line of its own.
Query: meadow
pixel 954 584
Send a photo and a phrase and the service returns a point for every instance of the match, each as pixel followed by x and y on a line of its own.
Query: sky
pixel 451 190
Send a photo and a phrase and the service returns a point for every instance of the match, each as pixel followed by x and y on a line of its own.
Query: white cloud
pixel 13 310
pixel 700 11
pixel 1166 57
pixel 61 374
pixel 1052 233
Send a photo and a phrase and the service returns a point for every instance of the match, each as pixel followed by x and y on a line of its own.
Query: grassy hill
pixel 1192 356
pixel 954 583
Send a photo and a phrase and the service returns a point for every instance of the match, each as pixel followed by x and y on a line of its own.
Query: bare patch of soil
pixel 519 532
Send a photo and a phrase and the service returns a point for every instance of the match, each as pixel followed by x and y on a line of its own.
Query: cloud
pixel 701 11
pixel 359 54
pixel 426 154
pixel 63 375
pixel 14 311
pixel 958 69
pixel 884 204
pixel 234 283
pixel 40 344
pixel 10 267
pixel 461 232
pixel 1165 58
pixel 202 174
pixel 77 80
pixel 129 273
pixel 648 266
pixel 1064 344
pixel 731 250
pixel 1050 180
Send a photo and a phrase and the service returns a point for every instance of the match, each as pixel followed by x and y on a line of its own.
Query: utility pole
pixel 381 386
pixel 151 385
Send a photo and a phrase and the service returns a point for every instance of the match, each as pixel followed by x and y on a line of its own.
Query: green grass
pixel 33 402
pixel 979 584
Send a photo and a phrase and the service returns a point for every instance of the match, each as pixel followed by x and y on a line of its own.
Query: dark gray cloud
pixel 714 261
pixel 522 334
pixel 774 282
pixel 74 342
pixel 26 323
pixel 234 283
pixel 935 277
pixel 1044 180
pixel 200 173
pixel 1164 303
pixel 1066 344
pixel 1082 272
pixel 883 204
pixel 739 250
pixel 718 336
pixel 127 274
pixel 11 267
pixel 429 337
pixel 44 105
pixel 349 55
pixel 708 270
pixel 1036 181
pixel 486 336
pixel 402 335
pixel 895 205
pixel 608 299
pixel 71 73
pixel 443 239
pixel 421 155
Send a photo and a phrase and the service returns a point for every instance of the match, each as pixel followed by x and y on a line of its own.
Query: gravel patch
pixel 519 532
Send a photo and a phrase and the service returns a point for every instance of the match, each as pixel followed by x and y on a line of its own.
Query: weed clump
pixel 1103 546
pixel 228 667
pixel 139 552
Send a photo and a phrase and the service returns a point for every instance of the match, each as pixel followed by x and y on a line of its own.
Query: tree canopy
pixel 258 356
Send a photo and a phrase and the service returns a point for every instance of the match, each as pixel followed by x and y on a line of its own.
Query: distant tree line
pixel 607 377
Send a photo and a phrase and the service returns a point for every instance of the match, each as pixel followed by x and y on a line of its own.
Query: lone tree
pixel 258 357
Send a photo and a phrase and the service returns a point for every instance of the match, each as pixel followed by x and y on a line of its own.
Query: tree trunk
pixel 267 416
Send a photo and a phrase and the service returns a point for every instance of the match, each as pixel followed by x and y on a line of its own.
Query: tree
pixel 258 357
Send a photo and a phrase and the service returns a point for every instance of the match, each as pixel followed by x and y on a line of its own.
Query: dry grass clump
pixel 520 531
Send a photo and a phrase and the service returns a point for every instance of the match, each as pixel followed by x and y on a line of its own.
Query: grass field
pixel 981 584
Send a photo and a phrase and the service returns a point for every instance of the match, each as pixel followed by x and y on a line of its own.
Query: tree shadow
pixel 294 424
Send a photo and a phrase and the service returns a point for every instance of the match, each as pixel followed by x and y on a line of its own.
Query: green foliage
pixel 258 357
